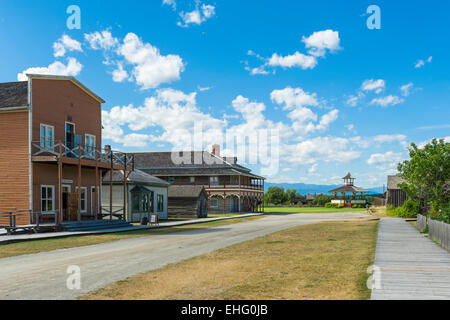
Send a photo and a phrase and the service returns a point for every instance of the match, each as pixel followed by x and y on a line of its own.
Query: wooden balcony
pixel 79 155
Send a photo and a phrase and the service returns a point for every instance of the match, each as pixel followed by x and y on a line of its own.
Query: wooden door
pixel 73 206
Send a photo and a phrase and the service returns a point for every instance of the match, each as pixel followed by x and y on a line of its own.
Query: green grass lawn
pixel 309 210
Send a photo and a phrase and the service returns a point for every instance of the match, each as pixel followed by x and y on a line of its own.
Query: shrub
pixel 340 206
pixel 410 209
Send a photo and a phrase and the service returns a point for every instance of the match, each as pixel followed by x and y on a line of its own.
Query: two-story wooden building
pixel 51 161
pixel 230 186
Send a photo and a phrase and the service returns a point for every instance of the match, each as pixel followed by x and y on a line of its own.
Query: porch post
pixel 125 189
pixel 79 185
pixel 110 185
pixel 97 189
pixel 59 213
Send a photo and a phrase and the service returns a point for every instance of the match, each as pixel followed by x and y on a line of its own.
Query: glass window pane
pixel 43 193
pixel 49 192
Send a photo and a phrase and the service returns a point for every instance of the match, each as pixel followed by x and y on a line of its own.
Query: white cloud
pixel 173 111
pixel 64 44
pixel 313 169
pixel 101 40
pixel 420 63
pixel 296 100
pixel 197 16
pixel 389 138
pixel 171 3
pixel 73 68
pixel 119 74
pixel 320 41
pixel 150 67
pixel 295 60
pixel 382 158
pixel 327 149
pixel 373 85
pixel 387 101
pixel 294 97
pixel 201 89
pixel 406 89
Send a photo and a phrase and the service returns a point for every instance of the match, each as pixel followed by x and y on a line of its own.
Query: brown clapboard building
pixel 50 150
pixel 230 187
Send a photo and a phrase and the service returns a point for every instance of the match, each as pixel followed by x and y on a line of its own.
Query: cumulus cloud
pixel 320 41
pixel 170 3
pixel 406 89
pixel 119 74
pixel 197 16
pixel 382 158
pixel 64 44
pixel 150 67
pixel 296 101
pixel 295 60
pixel 72 68
pixel 373 85
pixel 101 40
pixel 389 100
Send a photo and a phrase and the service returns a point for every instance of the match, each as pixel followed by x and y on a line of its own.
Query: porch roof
pixel 136 176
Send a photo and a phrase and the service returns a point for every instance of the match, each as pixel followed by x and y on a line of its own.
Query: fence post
pixel 37 219
pixel 10 219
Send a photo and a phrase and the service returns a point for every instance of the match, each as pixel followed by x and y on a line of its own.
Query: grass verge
pixel 320 261
pixel 309 210
pixel 35 246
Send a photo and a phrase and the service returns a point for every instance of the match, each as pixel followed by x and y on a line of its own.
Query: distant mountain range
pixel 304 188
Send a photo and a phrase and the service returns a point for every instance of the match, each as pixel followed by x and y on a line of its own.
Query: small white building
pixel 145 194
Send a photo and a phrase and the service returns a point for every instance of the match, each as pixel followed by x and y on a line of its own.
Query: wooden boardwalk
pixel 409 265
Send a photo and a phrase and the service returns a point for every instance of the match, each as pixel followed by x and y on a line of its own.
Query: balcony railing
pixel 60 149
pixel 218 185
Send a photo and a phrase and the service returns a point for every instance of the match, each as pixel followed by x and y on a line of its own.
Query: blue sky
pixel 341 97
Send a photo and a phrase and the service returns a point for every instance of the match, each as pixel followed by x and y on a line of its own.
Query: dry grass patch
pixel 35 246
pixel 321 261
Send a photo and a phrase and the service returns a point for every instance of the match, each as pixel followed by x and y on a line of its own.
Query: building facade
pixel 395 196
pixel 230 187
pixel 51 154
pixel 144 194
pixel 188 202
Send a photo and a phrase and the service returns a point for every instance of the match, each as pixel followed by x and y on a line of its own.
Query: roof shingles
pixel 13 94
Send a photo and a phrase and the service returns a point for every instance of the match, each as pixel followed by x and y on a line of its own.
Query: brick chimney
pixel 216 150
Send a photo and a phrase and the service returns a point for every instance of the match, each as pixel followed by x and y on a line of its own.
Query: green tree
pixel 290 195
pixel 322 199
pixel 275 195
pixel 426 173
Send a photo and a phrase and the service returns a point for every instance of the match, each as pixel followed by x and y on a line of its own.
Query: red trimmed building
pixel 231 188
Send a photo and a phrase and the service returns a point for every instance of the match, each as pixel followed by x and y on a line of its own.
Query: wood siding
pixel 14 164
pixel 54 101
pixel 187 207
pixel 396 198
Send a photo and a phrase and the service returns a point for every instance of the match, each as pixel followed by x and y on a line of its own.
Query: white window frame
pixel 91 153
pixel 192 179
pixel 160 196
pixel 85 198
pixel 52 198
pixel 216 200
pixel 51 146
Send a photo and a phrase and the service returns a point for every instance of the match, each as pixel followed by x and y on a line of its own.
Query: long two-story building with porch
pixel 51 156
pixel 231 188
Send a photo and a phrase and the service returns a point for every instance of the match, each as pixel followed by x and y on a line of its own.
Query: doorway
pixel 66 189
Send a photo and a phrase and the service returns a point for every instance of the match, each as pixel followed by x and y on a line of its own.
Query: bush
pixel 322 200
pixel 410 209
pixel 340 206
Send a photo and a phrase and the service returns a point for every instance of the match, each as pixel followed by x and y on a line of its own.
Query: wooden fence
pixel 440 231
pixel 421 222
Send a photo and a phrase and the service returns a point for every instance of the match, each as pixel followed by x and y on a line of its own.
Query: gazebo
pixel 349 188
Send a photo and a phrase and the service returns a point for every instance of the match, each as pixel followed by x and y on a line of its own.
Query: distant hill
pixel 304 188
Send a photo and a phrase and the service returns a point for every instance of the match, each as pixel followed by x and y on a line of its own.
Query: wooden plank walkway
pixel 410 266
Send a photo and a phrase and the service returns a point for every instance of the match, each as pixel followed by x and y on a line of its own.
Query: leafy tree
pixel 275 195
pixel 426 173
pixel 322 199
pixel 290 195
